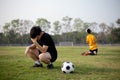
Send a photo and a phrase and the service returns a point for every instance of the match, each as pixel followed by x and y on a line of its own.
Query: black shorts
pixel 54 57
pixel 92 51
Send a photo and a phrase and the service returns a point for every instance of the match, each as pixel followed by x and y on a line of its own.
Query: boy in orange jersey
pixel 91 40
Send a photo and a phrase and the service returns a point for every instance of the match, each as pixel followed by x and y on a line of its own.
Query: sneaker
pixel 37 65
pixel 50 66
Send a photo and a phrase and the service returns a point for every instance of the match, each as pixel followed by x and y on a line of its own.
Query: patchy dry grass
pixel 104 66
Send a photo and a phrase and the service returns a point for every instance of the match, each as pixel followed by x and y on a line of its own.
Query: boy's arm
pixel 87 41
pixel 32 46
pixel 94 40
pixel 42 49
pixel 29 47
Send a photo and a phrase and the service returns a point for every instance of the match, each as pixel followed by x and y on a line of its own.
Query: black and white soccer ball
pixel 67 67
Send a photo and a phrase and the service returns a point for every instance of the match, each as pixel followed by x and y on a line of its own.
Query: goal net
pixel 65 43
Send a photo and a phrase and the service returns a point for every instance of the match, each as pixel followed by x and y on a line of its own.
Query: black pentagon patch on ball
pixel 62 66
pixel 64 72
pixel 67 62
pixel 68 67
pixel 71 72
pixel 73 66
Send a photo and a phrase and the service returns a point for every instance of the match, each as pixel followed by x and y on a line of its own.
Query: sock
pixel 50 63
pixel 37 62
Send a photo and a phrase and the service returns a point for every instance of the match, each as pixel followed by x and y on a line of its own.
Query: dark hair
pixel 88 30
pixel 35 30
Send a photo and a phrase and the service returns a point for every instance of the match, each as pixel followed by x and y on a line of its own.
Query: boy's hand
pixel 26 51
pixel 34 40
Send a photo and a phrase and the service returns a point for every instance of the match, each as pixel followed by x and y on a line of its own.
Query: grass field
pixel 105 66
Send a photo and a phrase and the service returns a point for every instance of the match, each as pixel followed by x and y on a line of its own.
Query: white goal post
pixel 65 43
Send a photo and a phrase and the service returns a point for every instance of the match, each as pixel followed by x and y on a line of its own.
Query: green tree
pixel 25 26
pixel 44 24
pixel 6 27
pixel 93 26
pixel 14 31
pixel 118 22
pixel 57 27
pixel 86 25
pixel 78 24
pixel 2 38
pixel 103 27
pixel 67 24
pixel 102 34
pixel 115 33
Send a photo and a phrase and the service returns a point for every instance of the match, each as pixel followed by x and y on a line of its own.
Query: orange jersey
pixel 91 40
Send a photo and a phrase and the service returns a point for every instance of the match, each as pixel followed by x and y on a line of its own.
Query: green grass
pixel 105 66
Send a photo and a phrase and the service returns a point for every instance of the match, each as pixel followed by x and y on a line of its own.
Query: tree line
pixel 16 32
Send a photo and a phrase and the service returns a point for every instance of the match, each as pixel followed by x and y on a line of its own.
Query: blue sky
pixel 88 10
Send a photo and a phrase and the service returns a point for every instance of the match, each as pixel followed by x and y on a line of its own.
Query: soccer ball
pixel 67 67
